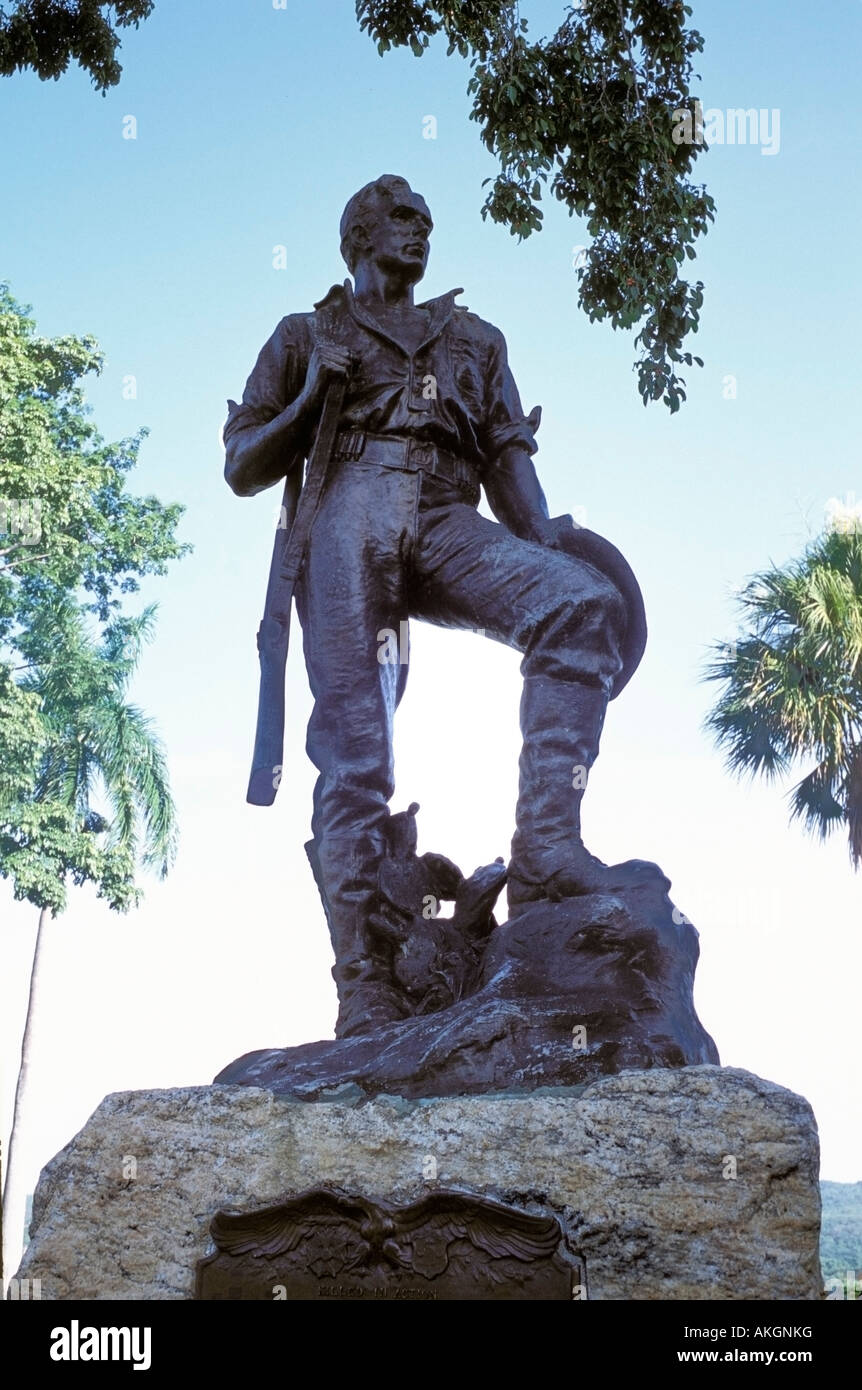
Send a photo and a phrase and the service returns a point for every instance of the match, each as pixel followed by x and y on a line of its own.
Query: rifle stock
pixel 273 638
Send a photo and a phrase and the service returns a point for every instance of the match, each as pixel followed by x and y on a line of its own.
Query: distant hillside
pixel 841 1232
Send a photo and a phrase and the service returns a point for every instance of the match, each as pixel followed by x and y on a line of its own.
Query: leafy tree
pixel 84 794
pixel 793 682
pixel 46 35
pixel 588 114
pixel 21 735
pixel 66 519
pixel 92 741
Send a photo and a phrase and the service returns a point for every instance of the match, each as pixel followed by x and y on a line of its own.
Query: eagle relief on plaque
pixel 324 1244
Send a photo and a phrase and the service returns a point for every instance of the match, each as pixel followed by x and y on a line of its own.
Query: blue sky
pixel 254 126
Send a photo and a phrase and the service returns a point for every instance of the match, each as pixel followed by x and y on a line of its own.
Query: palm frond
pixel 96 739
pixel 814 800
pixel 792 683
pixel 134 770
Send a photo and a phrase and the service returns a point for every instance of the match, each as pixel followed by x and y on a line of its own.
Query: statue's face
pixel 398 239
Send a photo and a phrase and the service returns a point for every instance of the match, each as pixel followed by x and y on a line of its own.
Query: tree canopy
pixel 46 35
pixel 793 682
pixel 73 543
pixel 66 517
pixel 586 115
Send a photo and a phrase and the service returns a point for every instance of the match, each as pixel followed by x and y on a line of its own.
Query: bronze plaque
pixel 327 1245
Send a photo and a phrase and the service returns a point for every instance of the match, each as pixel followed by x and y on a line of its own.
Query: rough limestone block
pixel 638 1167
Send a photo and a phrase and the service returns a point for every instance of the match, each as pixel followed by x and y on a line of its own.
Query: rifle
pixel 273 636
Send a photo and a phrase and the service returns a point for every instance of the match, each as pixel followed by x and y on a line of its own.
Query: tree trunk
pixel 14 1193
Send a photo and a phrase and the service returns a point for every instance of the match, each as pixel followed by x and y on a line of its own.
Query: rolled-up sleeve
pixel 275 380
pixel 505 423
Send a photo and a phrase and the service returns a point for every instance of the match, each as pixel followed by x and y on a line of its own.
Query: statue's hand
pixel 555 531
pixel 328 361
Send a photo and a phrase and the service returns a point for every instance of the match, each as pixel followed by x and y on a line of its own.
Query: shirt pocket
pixel 467 375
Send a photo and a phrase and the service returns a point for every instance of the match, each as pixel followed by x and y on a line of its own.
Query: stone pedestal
pixel 690 1183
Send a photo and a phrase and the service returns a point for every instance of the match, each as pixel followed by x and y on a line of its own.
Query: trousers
pixel 389 545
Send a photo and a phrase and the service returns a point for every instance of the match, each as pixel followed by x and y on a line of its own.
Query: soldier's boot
pixel 346 877
pixel 561 723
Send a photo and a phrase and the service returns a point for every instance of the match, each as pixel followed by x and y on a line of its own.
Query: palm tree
pixel 793 682
pixel 98 748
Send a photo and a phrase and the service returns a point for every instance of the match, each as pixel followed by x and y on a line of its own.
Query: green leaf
pixel 564 104
pixel 67 734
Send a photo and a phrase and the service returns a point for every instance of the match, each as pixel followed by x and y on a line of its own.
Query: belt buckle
pixel 351 446
pixel 421 456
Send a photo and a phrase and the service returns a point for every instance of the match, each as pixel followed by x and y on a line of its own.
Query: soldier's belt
pixel 410 455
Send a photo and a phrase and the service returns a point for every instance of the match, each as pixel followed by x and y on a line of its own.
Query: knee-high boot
pixel 345 870
pixel 561 724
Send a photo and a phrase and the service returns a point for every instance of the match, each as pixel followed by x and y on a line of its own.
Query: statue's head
pixel 388 223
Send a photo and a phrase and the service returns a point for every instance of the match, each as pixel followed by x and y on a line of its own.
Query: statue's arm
pixel 262 435
pixel 269 432
pixel 511 484
pixel 259 455
pixel 515 494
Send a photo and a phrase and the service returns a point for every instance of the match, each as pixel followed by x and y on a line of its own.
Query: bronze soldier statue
pixel 428 414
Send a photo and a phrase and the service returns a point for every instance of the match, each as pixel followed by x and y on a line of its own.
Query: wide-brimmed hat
pixel 599 552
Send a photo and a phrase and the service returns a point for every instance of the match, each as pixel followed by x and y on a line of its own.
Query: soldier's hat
pixel 599 552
